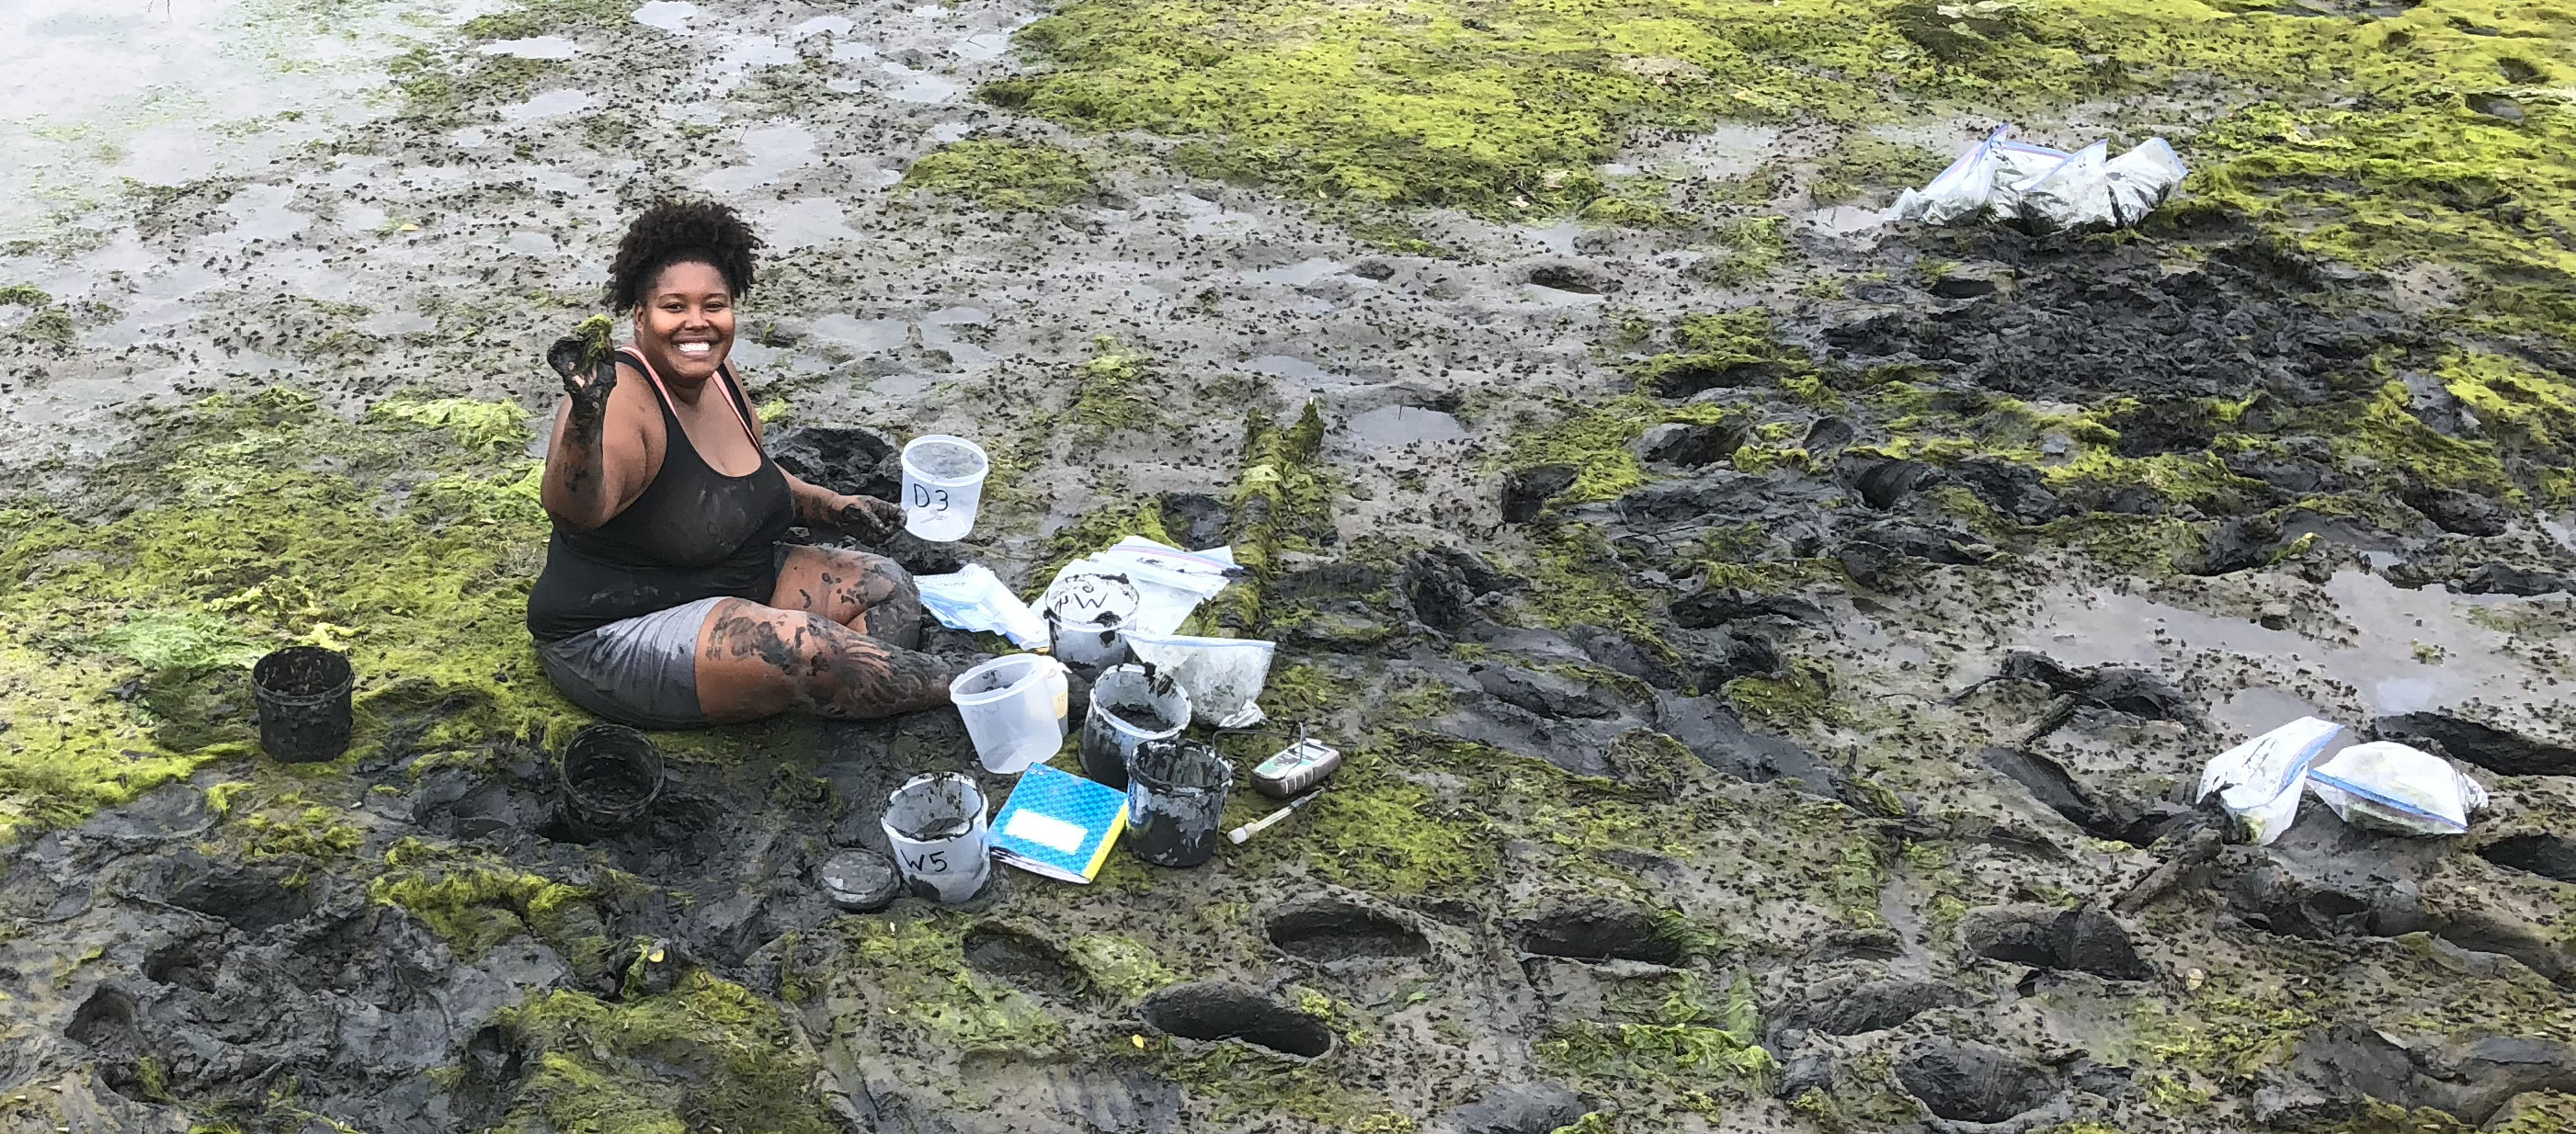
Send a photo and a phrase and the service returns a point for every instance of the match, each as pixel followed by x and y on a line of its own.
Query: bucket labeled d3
pixel 936 826
pixel 606 779
pixel 943 483
pixel 303 696
pixel 1130 705
pixel 1015 707
pixel 1176 793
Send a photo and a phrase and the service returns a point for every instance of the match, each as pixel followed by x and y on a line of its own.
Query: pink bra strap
pixel 722 373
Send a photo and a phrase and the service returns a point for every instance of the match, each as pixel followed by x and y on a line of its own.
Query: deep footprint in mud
pixel 1971 1082
pixel 1342 931
pixel 1022 961
pixel 1601 931
pixel 2549 856
pixel 1208 1010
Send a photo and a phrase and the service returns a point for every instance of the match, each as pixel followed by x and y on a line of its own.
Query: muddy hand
pixel 867 517
pixel 589 398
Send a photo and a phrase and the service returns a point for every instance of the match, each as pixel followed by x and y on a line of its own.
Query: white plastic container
pixel 1015 707
pixel 1088 616
pixel 936 826
pixel 1130 705
pixel 943 482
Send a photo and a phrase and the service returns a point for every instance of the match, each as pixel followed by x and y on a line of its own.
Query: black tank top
pixel 695 533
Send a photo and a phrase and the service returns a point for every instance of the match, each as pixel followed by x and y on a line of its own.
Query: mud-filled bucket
pixel 1130 705
pixel 303 696
pixel 608 778
pixel 943 483
pixel 1015 708
pixel 1088 616
pixel 935 824
pixel 1176 801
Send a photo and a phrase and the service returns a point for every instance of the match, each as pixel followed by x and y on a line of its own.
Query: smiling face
pixel 685 324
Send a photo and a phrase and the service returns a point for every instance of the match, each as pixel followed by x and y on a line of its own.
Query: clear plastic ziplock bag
pixel 2259 781
pixel 2392 787
pixel 1224 676
pixel 973 598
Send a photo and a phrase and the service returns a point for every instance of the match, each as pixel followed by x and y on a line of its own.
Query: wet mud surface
pixel 1772 670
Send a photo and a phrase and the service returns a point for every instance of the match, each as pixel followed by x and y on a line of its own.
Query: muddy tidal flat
pixel 1775 650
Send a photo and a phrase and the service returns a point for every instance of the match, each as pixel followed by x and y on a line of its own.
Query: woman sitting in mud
pixel 668 600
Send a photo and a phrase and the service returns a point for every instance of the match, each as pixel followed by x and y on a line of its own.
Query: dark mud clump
pixel 1022 960
pixel 2081 940
pixel 1211 1010
pixel 1342 931
pixel 1971 1082
pixel 1143 718
pixel 1874 1007
pixel 1601 931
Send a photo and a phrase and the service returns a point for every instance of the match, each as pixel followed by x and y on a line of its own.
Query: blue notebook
pixel 1059 824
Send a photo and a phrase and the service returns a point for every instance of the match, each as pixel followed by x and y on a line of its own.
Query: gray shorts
pixel 640 671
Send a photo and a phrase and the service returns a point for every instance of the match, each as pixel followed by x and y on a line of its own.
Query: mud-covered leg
pixel 864 592
pixel 757 661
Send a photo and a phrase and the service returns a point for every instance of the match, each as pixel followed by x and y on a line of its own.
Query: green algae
pixel 1119 966
pixel 475 904
pixel 1599 442
pixel 227 541
pixel 531 18
pixel 937 1000
pixel 1112 392
pixel 1577 579
pixel 1690 1048
pixel 1863 163
pixel 1003 175
pixel 706 1055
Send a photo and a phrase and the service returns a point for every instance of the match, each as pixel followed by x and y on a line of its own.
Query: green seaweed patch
pixel 1599 441
pixel 1696 1054
pixel 1729 349
pixel 531 18
pixel 1003 175
pixel 223 542
pixel 708 1055
pixel 1865 163
pixel 1243 1081
pixel 1576 578
pixel 474 904
pixel 1118 965
pixel 1113 391
pixel 920 963
pixel 1374 829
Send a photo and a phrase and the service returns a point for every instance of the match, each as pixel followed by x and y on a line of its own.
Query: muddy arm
pixel 599 461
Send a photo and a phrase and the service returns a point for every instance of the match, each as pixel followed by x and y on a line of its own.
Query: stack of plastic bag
pixel 975 599
pixel 2045 190
pixel 2259 781
pixel 1170 583
pixel 2391 787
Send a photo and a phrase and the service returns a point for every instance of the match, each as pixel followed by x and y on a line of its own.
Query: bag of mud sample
pixel 2259 781
pixel 2390 787
pixel 1223 675
pixel 974 599
pixel 2042 190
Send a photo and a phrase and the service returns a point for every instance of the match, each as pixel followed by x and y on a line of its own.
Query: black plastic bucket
pixel 303 696
pixel 609 777
pixel 1176 793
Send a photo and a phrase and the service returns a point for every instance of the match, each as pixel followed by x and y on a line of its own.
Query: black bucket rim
pixel 260 669
pixel 591 735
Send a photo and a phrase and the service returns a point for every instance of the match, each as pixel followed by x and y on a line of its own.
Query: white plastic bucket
pixel 936 827
pixel 1015 708
pixel 1088 616
pixel 943 482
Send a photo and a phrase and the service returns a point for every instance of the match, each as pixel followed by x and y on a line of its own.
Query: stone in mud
pixel 1828 434
pixel 1212 1010
pixel 1885 556
pixel 1968 281
pixel 1852 1011
pixel 1443 584
pixel 1332 930
pixel 854 461
pixel 2084 940
pixel 2334 1073
pixel 1573 278
pixel 2010 487
pixel 2049 783
pixel 2507 579
pixel 2486 746
pixel 1728 656
pixel 1790 509
pixel 1196 519
pixel 1689 446
pixel 1711 607
pixel 1715 734
pixel 1513 1108
pixel 2168 425
pixel 1525 491
pixel 1883 484
pixel 1546 694
pixel 2547 855
pixel 2297 466
pixel 2461 513
pixel 1378 270
pixel 1972 1082
pixel 1620 653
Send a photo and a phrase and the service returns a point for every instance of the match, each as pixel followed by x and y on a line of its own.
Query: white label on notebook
pixel 1046 831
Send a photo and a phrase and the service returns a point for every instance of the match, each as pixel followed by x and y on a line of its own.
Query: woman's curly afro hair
pixel 681 232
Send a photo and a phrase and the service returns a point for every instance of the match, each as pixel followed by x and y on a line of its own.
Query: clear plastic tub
pixel 943 483
pixel 1015 708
